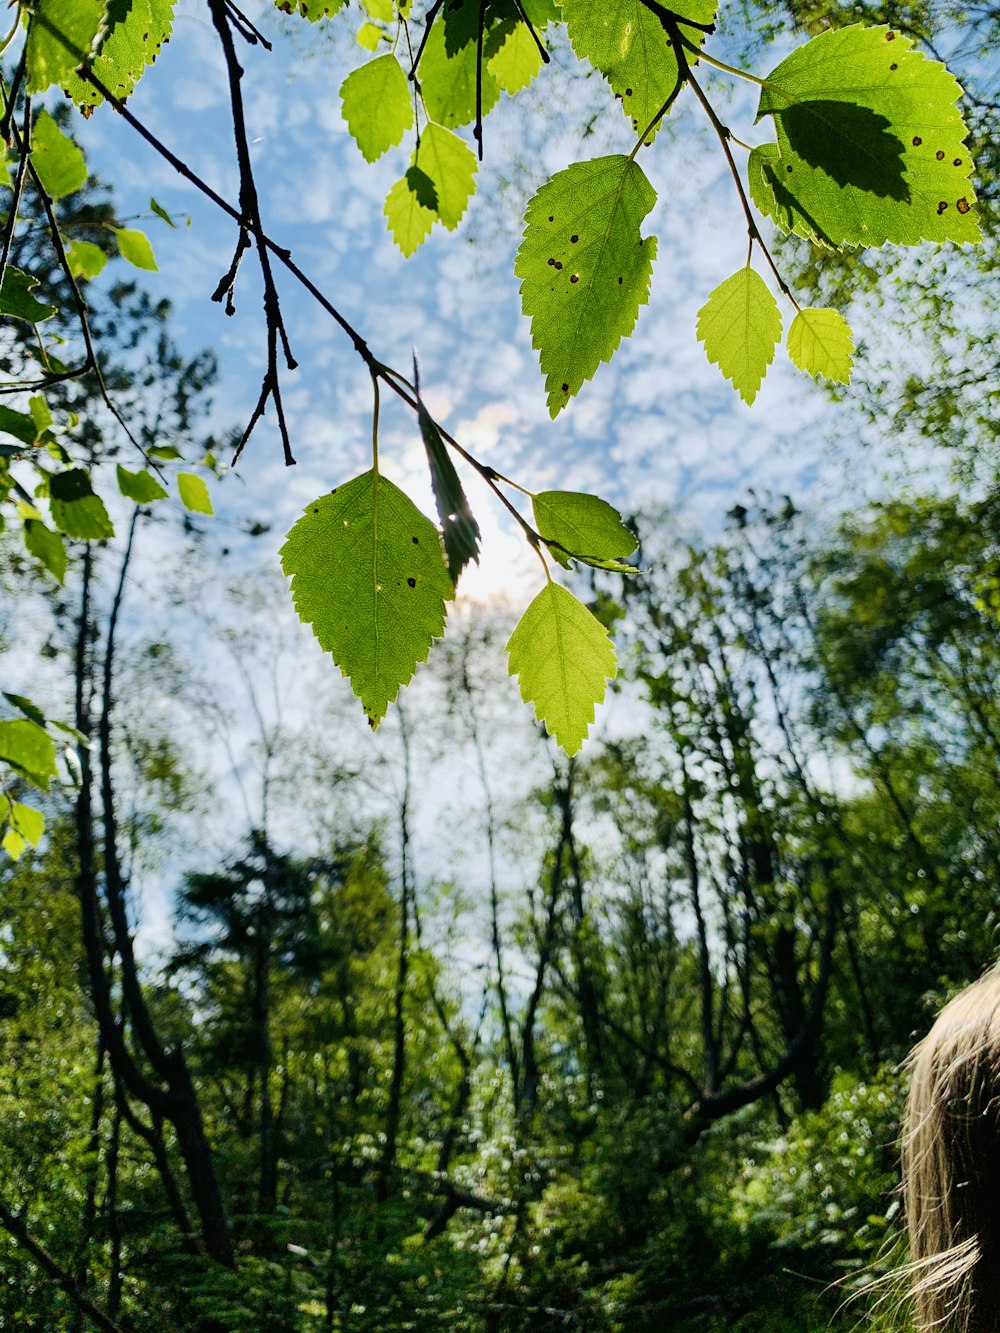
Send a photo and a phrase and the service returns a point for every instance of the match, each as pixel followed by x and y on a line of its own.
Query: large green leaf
pixel 61 34
pixel 76 509
pixel 448 82
pixel 378 105
pixel 563 659
pixel 740 325
pixel 368 574
pixel 60 164
pixel 436 188
pixel 626 41
pixel 871 144
pixel 584 268
pixel 28 747
pixel 584 525
pixel 137 30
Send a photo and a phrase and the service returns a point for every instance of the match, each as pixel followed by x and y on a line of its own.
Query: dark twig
pixel 22 168
pixel 247 30
pixel 15 88
pixel 250 221
pixel 477 132
pixel 669 18
pixel 432 14
pixel 546 58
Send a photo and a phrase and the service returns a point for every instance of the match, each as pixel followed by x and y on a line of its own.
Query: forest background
pixel 439 1028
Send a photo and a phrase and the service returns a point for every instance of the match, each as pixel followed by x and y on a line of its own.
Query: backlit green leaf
pixel 871 144
pixel 563 659
pixel 60 164
pixel 17 301
pixel 194 493
pixel 28 747
pixel 448 83
pixel 137 30
pixel 313 10
pixel 820 342
pixel 134 246
pixel 76 509
pixel 584 524
pixel 740 325
pixel 517 61
pixel 61 34
pixel 458 524
pixel 13 844
pixel 85 259
pixel 369 36
pixel 46 546
pixel 368 574
pixel 142 487
pixel 28 821
pixel 627 43
pixel 410 221
pixel 19 424
pixel 378 105
pixel 584 268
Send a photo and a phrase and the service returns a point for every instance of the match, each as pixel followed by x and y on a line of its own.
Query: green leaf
pixel 46 546
pixel 378 105
pixel 584 268
pixel 29 822
pixel 450 165
pixel 40 413
pixel 166 453
pixel 142 486
pixel 368 574
pixel 458 524
pixel 16 298
pixel 29 748
pixel 162 213
pixel 76 509
pixel 448 83
pixel 626 42
pixel 26 706
pixel 410 221
pixel 313 10
pixel 85 259
pixel 369 36
pixel 383 11
pixel 194 493
pixel 518 60
pixel 137 30
pixel 871 144
pixel 134 246
pixel 60 164
pixel 740 325
pixel 13 844
pixel 563 658
pixel 820 342
pixel 19 424
pixel 585 525
pixel 61 33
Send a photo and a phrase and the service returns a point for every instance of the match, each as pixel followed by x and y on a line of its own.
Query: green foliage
pixel 740 325
pixel 86 260
pixel 17 300
pixel 584 268
pixel 871 144
pixel 194 494
pixel 377 105
pixel 134 247
pixel 458 523
pixel 368 574
pixel 820 342
pixel 61 34
pixel 563 658
pixel 77 510
pixel 585 527
pixel 135 30
pixel 143 488
pixel 60 164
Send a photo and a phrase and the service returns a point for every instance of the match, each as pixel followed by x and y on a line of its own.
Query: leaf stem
pixel 375 412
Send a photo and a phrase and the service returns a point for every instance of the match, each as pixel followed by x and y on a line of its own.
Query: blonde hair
pixel 951 1166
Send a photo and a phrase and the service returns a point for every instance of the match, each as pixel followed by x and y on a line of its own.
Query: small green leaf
pixel 584 268
pixel 563 658
pixel 162 213
pixel 871 143
pixel 378 105
pixel 194 493
pixel 13 844
pixel 134 247
pixel 26 706
pixel 584 525
pixel 61 34
pixel 383 11
pixel 40 413
pixel 368 574
pixel 76 509
pixel 29 748
pixel 369 36
pixel 410 221
pixel 46 546
pixel 740 325
pixel 313 10
pixel 60 164
pixel 19 424
pixel 518 60
pixel 142 487
pixel 451 167
pixel 16 298
pixel 85 259
pixel 448 82
pixel 820 342
pixel 458 524
pixel 28 821
pixel 165 453
pixel 136 32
